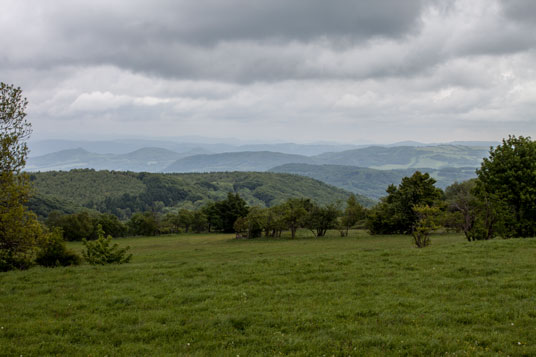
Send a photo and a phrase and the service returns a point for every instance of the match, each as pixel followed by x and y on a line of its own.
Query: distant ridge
pixel 235 161
pixel 404 157
pixel 197 159
pixel 371 182
pixel 146 159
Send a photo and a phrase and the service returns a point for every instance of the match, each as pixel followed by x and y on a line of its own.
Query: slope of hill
pixel 235 161
pixel 404 157
pixel 154 159
pixel 148 159
pixel 123 193
pixel 371 182
pixel 123 146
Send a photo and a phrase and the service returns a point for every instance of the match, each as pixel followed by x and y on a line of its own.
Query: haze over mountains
pixel 362 169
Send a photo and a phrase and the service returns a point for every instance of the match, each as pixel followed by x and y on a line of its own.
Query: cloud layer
pixel 275 70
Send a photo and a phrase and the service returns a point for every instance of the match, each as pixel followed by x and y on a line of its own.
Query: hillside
pixel 371 182
pixel 236 161
pixel 205 158
pixel 150 159
pixel 122 193
pixel 404 157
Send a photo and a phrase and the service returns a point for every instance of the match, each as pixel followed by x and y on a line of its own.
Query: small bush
pixel 100 251
pixel 426 223
pixel 53 252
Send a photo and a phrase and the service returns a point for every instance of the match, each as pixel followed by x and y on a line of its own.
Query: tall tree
pixel 353 212
pixel 295 213
pixel 19 228
pixel 321 218
pixel 395 213
pixel 229 210
pixel 508 178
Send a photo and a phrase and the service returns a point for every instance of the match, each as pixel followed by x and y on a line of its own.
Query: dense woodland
pixel 125 193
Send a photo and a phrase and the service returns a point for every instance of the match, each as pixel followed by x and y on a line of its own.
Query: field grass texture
pixel 211 294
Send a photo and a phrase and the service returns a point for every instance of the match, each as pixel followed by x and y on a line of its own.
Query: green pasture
pixel 214 295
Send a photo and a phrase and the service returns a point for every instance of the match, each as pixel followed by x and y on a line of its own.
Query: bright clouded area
pixel 302 70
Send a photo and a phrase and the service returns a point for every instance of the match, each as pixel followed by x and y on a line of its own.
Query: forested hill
pixel 404 157
pixel 148 159
pixel 236 161
pixel 371 182
pixel 123 193
pixel 154 159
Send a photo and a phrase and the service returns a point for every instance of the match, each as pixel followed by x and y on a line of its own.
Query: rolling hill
pixel 148 159
pixel 372 182
pixel 405 157
pixel 236 161
pixel 123 193
pixel 154 159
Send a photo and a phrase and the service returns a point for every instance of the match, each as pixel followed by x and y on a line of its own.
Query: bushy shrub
pixel 426 223
pixel 53 252
pixel 100 251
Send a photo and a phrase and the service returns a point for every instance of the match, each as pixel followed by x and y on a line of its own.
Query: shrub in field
pixel 426 223
pixel 53 252
pixel 100 251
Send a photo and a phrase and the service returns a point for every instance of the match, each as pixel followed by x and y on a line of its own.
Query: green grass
pixel 213 295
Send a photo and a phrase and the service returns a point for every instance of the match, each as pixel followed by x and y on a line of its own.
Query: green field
pixel 214 295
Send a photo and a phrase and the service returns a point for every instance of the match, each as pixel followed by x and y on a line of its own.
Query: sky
pixel 274 70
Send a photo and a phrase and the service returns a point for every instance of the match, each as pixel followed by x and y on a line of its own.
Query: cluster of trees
pixel 501 201
pixel 24 241
pixel 298 213
pixel 125 193
pixel 229 215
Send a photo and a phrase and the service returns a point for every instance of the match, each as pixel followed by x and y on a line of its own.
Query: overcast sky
pixel 300 70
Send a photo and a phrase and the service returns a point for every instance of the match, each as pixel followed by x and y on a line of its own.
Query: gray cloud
pixel 299 69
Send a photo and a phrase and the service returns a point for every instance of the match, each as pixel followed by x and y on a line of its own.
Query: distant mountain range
pixel 366 170
pixel 145 159
pixel 236 161
pixel 372 182
pixel 208 146
pixel 404 157
pixel 196 160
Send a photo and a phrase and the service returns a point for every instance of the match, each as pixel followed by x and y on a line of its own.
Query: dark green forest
pixel 123 193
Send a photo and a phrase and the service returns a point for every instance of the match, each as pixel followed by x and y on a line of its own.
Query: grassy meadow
pixel 214 295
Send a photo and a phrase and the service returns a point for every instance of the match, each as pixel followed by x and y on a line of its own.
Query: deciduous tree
pixel 19 228
pixel 507 178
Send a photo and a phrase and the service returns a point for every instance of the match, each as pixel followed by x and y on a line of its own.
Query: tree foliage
pixel 507 180
pixel 101 251
pixel 53 252
pixel 426 223
pixel 228 211
pixel 470 211
pixel 19 229
pixel 353 212
pixel 321 218
pixel 395 213
pixel 295 212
